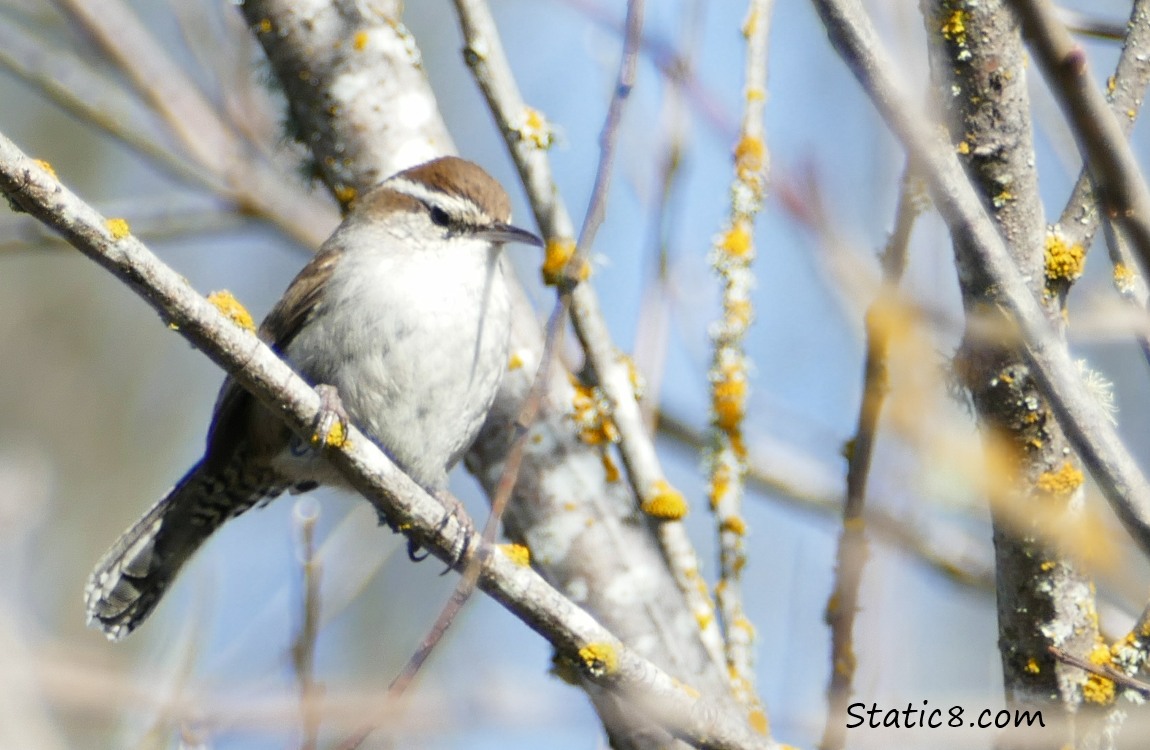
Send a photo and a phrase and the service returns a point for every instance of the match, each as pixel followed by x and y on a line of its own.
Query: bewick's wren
pixel 404 312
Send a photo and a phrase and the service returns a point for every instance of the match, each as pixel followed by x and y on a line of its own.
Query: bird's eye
pixel 439 217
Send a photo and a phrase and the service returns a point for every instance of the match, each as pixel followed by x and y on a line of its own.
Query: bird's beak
pixel 500 232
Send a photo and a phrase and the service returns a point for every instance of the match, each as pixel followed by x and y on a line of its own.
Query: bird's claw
pixel 331 423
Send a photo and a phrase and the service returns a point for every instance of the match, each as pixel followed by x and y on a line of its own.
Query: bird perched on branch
pixel 401 322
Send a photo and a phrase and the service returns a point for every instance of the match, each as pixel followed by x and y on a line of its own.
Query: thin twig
pixel 1083 419
pixel 1105 671
pixel 675 66
pixel 256 185
pixel 304 516
pixel 850 559
pixel 731 259
pixel 653 325
pixel 573 632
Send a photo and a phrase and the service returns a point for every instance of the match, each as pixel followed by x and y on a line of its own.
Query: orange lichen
pixel 758 721
pixel 600 659
pixel 728 400
pixel 665 502
pixel 46 167
pixel 750 153
pixel 517 553
pixel 734 525
pixel 336 436
pixel 226 302
pixel 557 256
pixel 118 228
pixel 737 242
pixel 535 129
pixel 345 194
pixel 591 414
pixel 1063 262
pixel 609 468
pixel 1124 277
pixel 1061 481
pixel 720 484
pixel 954 26
pixel 1098 689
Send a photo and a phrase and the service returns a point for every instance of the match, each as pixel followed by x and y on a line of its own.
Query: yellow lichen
pixel 720 484
pixel 46 167
pixel 750 153
pixel 737 314
pixel 345 194
pixel 954 26
pixel 1002 198
pixel 1063 262
pixel 226 302
pixel 734 525
pixel 737 242
pixel 1032 666
pixel 118 228
pixel 359 41
pixel 557 257
pixel 264 26
pixel 963 148
pixel 515 361
pixel 1060 482
pixel 728 400
pixel 600 659
pixel 517 553
pixel 704 619
pixel 1124 277
pixel 665 502
pixel 336 436
pixel 535 129
pixel 591 414
pixel 1111 84
pixel 1098 690
pixel 638 384
pixel 758 721
pixel 610 470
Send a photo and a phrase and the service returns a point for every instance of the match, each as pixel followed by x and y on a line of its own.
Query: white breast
pixel 416 344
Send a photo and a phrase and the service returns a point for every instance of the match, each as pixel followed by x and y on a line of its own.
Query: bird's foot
pixel 331 424
pixel 455 510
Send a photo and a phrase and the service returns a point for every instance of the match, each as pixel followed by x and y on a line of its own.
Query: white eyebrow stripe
pixel 454 205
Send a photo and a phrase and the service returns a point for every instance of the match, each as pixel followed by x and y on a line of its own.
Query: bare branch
pixel 731 259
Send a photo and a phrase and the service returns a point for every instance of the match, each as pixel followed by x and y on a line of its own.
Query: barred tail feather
pixel 133 575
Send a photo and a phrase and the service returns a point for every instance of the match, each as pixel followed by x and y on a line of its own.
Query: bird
pixel 401 321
